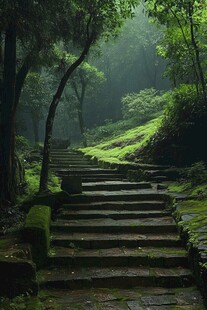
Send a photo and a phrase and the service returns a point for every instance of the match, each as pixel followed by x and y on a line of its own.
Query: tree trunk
pixel 197 54
pixel 188 45
pixel 51 115
pixel 20 79
pixel 7 189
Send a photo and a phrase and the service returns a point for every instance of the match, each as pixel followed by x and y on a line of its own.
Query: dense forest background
pixel 129 63
pixel 83 65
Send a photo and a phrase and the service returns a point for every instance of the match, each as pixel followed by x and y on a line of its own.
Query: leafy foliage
pixel 35 94
pixel 32 173
pixel 180 139
pixel 108 131
pixel 143 104
pixel 196 174
pixel 184 43
pixel 124 146
pixel 22 145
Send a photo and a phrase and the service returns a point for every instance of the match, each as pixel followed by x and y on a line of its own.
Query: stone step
pixel 65 154
pixel 159 179
pixel 70 166
pixel 117 257
pixel 148 225
pixel 88 171
pixel 146 298
pixel 103 241
pixel 62 151
pixel 74 279
pixel 94 178
pixel 74 161
pixel 66 159
pixel 151 167
pixel 118 205
pixel 172 173
pixel 104 177
pixel 115 185
pixel 124 195
pixel 113 214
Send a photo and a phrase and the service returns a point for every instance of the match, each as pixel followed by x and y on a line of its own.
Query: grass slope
pixel 121 147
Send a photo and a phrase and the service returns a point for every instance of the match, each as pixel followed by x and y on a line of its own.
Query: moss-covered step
pixel 69 166
pixel 104 241
pixel 117 205
pixel 134 299
pixel 119 277
pixel 62 162
pixel 87 171
pixel 150 256
pixel 148 225
pixel 115 185
pixel 115 215
pixel 123 195
pixel 103 177
pixel 91 177
pixel 37 232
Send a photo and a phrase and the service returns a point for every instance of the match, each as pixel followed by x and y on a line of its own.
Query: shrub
pixel 22 144
pixel 196 174
pixel 180 138
pixel 143 104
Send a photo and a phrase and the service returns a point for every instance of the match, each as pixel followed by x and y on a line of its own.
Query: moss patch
pixel 37 232
pixel 199 191
pixel 121 148
pixel 191 216
pixel 22 302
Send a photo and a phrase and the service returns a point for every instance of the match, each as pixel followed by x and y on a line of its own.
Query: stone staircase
pixel 115 246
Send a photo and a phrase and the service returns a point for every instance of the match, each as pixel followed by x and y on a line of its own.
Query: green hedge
pixel 37 232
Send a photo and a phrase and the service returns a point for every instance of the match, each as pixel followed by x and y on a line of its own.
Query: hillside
pixel 124 146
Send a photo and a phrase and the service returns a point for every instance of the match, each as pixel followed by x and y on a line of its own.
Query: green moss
pixel 37 232
pixel 193 206
pixel 117 149
pixel 32 178
pixel 178 187
pixel 186 188
pixel 193 215
pixel 29 303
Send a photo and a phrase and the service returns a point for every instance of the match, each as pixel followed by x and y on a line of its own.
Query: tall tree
pixel 136 67
pixel 184 43
pixel 85 79
pixel 34 98
pixel 33 27
pixel 93 19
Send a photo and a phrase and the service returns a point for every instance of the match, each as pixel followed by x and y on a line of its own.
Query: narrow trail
pixel 116 246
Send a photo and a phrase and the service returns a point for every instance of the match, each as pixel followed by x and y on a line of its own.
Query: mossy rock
pixel 37 232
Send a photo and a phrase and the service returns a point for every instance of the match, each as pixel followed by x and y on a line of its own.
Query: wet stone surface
pixel 118 236
pixel 146 299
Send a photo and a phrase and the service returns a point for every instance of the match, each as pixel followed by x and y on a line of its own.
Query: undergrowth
pixel 112 130
pixel 193 181
pixel 32 178
pixel 32 175
pixel 123 147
